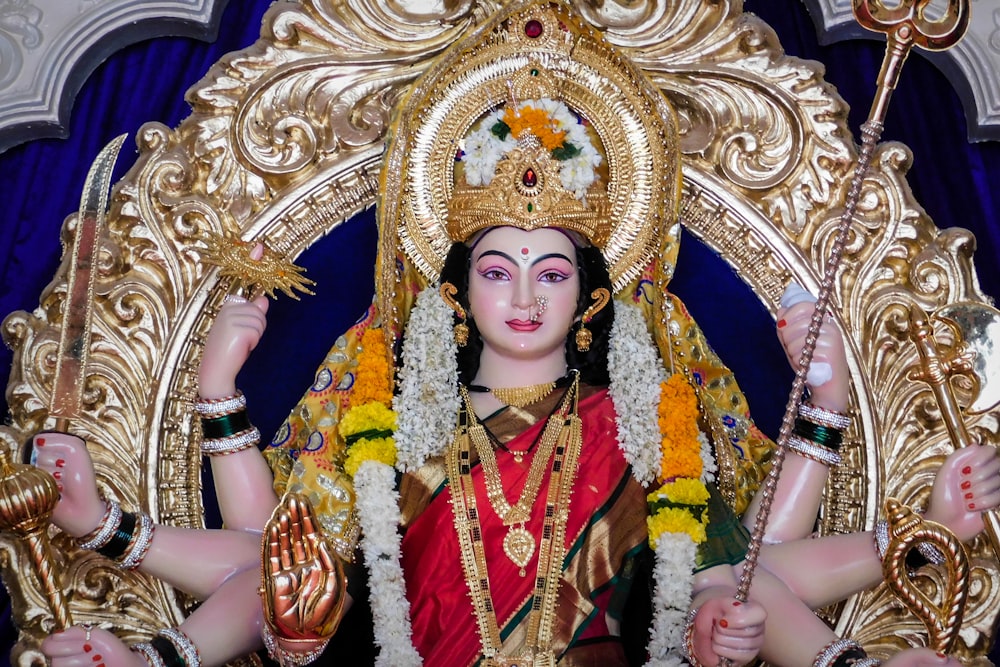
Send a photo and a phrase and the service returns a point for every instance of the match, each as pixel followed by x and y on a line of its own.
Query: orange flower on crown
pixel 678 420
pixel 538 122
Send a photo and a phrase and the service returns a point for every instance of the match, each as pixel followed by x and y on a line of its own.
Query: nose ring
pixel 543 303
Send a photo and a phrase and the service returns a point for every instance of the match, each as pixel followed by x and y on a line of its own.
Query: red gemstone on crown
pixel 533 28
pixel 530 179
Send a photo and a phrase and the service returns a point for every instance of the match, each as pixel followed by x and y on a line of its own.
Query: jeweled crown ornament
pixel 530 164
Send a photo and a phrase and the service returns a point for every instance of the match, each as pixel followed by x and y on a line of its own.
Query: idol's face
pixel 523 292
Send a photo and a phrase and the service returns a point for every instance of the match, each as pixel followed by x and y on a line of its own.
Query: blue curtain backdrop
pixel 41 184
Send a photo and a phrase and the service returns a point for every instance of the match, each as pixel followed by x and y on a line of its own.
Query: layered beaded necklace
pixel 561 442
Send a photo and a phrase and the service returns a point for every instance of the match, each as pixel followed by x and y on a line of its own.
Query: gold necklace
pixel 541 620
pixel 519 397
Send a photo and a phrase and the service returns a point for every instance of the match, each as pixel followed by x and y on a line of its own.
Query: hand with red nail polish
pixel 77 646
pixel 727 628
pixel 80 508
pixel 969 474
pixel 829 377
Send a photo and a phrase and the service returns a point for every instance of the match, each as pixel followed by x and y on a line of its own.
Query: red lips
pixel 523 325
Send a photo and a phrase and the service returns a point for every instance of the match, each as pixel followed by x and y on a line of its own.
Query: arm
pixel 224 627
pixel 196 561
pixel 243 481
pixel 800 488
pixel 850 563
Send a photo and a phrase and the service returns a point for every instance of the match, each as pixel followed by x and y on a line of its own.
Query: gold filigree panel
pixel 285 141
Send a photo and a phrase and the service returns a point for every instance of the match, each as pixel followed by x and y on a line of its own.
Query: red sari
pixel 606 526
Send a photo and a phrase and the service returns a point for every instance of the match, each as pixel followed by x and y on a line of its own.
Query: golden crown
pixel 530 165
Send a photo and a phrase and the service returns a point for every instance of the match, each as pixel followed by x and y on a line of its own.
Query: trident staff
pixel 905 25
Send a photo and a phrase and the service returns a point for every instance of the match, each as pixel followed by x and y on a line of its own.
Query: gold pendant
pixel 519 545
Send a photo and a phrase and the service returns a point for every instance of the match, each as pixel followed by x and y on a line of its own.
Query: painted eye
pixel 494 274
pixel 552 277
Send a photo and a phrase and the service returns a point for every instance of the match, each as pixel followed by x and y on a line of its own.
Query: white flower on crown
pixel 483 149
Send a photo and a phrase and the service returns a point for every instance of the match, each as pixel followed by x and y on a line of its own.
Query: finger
pixel 295 526
pixel 63 644
pixel 79 660
pixel 273 547
pixel 262 304
pixel 327 560
pixel 285 541
pixel 745 616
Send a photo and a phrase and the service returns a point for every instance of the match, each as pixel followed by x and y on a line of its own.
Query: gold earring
pixel 584 338
pixel 461 330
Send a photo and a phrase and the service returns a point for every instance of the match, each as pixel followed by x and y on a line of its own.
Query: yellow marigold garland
pixel 378 449
pixel 368 426
pixel 680 504
pixel 367 417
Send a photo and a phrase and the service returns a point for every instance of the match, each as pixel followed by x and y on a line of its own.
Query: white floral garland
pixel 671 599
pixel 378 513
pixel 428 403
pixel 483 149
pixel 636 373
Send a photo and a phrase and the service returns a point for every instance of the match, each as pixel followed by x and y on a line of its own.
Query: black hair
pixel 593 272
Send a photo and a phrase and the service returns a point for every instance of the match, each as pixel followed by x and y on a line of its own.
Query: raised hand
pixel 967 484
pixel 64 456
pixel 304 585
pixel 829 377
pixel 233 336
pixel 80 645
pixel 727 628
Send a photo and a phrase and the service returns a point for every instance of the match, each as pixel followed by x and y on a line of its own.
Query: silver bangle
pixel 927 550
pixel 931 553
pixel 867 662
pixel 149 654
pixel 184 645
pixel 231 443
pixel 811 450
pixel 824 417
pixel 881 534
pixel 140 545
pixel 287 658
pixel 221 406
pixel 112 519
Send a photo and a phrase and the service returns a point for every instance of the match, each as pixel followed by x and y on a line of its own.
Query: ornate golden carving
pixel 285 140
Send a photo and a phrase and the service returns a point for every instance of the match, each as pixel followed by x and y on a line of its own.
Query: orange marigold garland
pixel 368 426
pixel 372 374
pixel 679 505
pixel 538 122
pixel 678 419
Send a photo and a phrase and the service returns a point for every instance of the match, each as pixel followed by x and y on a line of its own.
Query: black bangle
pixel 822 435
pixel 171 656
pixel 119 542
pixel 226 425
pixel 849 657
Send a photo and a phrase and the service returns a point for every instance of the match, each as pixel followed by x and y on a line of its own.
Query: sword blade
pixel 74 338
